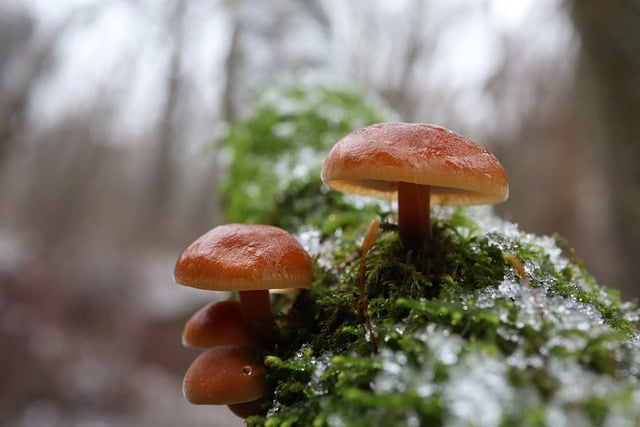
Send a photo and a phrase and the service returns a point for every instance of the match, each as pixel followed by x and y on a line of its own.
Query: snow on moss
pixel 463 338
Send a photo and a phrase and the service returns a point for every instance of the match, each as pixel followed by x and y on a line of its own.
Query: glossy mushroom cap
pixel 372 160
pixel 239 257
pixel 224 375
pixel 217 323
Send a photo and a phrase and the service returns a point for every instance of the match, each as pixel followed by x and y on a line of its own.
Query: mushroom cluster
pixel 249 259
pixel 418 164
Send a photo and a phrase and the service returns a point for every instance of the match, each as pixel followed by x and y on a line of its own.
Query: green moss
pixel 276 150
pixel 463 336
pixel 450 316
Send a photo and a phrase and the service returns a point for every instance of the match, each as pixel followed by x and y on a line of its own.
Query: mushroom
pixel 224 375
pixel 247 409
pixel 419 164
pixel 250 259
pixel 217 323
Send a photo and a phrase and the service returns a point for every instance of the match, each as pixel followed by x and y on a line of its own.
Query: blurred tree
pixel 405 37
pixel 261 45
pixel 275 153
pixel 162 168
pixel 609 89
pixel 28 54
pixel 16 31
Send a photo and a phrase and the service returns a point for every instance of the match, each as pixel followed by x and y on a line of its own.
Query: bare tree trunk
pixel 608 77
pixel 162 168
pixel 232 67
pixel 35 55
pixel 209 203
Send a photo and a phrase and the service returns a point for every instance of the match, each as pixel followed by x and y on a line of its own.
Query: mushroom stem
pixel 256 311
pixel 414 220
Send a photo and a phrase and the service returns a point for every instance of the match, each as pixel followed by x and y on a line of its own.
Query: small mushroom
pixel 217 323
pixel 419 164
pixel 224 375
pixel 249 259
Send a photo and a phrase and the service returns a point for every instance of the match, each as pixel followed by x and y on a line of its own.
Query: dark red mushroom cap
pixel 217 323
pixel 224 375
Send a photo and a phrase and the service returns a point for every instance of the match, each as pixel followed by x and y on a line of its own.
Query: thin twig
pixel 517 265
pixel 367 244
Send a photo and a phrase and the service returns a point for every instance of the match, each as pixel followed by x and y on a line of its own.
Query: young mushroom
pixel 249 259
pixel 224 375
pixel 418 164
pixel 217 323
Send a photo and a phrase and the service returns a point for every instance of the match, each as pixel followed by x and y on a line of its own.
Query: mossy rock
pixel 483 326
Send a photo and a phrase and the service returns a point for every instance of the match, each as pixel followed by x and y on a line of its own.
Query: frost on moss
pixel 462 338
pixel 275 151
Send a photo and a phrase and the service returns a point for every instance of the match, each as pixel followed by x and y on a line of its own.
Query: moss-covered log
pixel 464 336
pixel 484 325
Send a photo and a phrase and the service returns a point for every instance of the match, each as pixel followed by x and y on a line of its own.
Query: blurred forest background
pixel 111 113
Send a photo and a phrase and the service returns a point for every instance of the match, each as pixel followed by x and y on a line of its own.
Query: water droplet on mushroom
pixel 246 370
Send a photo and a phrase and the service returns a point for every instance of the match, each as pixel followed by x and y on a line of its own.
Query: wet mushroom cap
pixel 224 375
pixel 217 323
pixel 372 160
pixel 238 257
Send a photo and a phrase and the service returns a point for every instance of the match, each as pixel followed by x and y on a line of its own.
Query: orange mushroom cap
pixel 239 257
pixel 372 160
pixel 224 375
pixel 217 323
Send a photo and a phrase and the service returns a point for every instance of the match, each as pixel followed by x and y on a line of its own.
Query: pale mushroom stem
pixel 256 311
pixel 414 220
